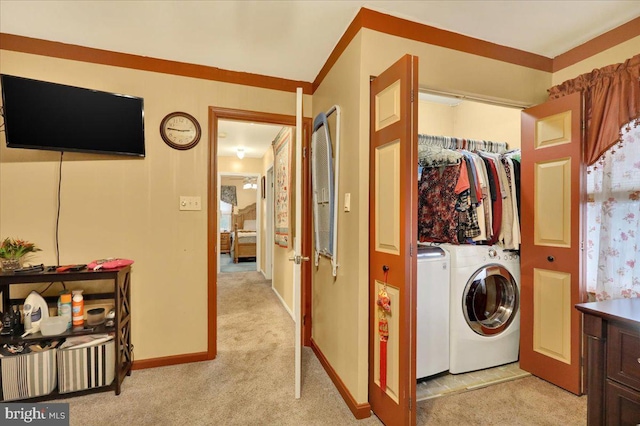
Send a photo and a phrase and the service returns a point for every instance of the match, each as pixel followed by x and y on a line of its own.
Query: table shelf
pixel 121 297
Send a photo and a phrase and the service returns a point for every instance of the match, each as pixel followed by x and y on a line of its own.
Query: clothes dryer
pixel 484 310
pixel 432 311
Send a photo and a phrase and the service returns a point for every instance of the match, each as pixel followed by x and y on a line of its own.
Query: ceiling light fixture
pixel 250 183
pixel 240 153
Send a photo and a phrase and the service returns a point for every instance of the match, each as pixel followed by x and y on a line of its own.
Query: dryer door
pixel 490 300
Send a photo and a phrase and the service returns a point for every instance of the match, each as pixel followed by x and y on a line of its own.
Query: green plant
pixel 15 249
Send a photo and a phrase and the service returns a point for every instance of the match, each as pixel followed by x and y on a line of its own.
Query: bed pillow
pixel 250 225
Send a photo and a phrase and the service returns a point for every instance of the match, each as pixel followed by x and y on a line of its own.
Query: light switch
pixel 347 202
pixel 190 203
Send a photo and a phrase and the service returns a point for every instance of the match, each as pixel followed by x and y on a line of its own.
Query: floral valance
pixel 228 194
pixel 612 99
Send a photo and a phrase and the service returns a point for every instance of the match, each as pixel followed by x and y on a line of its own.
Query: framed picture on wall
pixel 282 194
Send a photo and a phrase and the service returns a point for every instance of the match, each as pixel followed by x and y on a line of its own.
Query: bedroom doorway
pixel 236 162
pixel 239 215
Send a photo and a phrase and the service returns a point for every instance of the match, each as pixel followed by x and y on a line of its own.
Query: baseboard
pixel 283 303
pixel 360 411
pixel 170 360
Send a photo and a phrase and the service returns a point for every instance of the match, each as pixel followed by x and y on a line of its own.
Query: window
pixel 226 214
pixel 613 220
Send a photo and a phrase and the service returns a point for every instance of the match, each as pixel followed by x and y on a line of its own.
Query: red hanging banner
pixel 384 305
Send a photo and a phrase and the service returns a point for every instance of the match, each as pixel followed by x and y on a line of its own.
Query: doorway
pixel 213 227
pixel 239 216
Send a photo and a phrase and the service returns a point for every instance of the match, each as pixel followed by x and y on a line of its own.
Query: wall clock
pixel 180 130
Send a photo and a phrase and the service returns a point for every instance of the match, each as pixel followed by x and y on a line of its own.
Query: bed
pixel 243 237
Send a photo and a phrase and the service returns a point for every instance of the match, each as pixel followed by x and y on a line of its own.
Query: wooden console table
pixel 612 334
pixel 121 296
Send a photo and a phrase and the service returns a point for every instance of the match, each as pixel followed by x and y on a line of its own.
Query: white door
pixel 297 247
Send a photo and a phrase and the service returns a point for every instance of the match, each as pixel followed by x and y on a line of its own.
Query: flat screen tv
pixel 43 115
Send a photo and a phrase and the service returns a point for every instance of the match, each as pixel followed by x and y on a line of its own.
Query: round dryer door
pixel 490 300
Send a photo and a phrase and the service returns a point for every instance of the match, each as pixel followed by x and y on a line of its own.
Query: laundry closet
pixel 468 280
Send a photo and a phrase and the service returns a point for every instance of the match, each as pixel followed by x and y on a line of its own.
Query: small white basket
pixel 28 375
pixel 86 368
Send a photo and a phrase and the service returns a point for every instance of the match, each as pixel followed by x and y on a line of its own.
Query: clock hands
pixel 178 130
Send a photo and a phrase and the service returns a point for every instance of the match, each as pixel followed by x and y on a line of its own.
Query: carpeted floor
pixel 251 382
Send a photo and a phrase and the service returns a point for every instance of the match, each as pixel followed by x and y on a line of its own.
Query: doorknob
pixel 298 259
pixel 550 258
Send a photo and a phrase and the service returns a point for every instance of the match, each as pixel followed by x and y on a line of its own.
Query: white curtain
pixel 613 220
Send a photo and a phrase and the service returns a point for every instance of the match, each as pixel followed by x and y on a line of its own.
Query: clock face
pixel 180 130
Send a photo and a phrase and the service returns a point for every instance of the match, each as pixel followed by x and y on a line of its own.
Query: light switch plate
pixel 190 203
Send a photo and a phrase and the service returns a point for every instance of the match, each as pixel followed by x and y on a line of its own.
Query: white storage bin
pixel 29 375
pixel 86 368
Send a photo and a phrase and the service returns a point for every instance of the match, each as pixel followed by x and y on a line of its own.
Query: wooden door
pixel 393 231
pixel 552 233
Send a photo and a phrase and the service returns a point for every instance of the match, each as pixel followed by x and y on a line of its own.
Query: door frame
pixel 218 113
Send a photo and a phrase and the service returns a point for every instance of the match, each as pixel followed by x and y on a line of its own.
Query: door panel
pixel 552 323
pixel 552 233
pixel 387 196
pixel 393 231
pixel 553 199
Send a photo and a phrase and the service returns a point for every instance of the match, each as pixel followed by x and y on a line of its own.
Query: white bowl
pixel 53 325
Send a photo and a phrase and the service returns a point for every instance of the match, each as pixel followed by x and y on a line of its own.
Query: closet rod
pixel 521 105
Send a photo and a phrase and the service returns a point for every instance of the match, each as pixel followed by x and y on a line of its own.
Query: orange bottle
pixel 77 309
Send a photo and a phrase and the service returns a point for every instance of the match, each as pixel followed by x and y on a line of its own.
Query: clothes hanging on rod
pixel 476 200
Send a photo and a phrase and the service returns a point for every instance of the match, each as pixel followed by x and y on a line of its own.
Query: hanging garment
pixel 437 215
pixel 483 210
pixel 467 219
pixel 514 206
pixel 496 206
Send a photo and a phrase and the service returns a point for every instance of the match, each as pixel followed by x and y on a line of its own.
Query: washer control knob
pixel 492 253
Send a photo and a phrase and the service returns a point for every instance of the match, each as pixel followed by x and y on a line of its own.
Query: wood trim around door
pixel 215 114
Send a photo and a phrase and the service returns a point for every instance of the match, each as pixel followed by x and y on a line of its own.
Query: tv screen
pixel 43 115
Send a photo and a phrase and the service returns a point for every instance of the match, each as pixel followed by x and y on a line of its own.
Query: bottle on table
pixel 77 309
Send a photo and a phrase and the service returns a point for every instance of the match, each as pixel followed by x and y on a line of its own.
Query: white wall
pixel 471 120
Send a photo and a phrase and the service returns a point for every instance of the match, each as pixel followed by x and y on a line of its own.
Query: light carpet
pixel 251 382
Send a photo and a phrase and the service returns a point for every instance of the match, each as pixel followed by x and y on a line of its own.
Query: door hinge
pixel 584 124
pixel 410 250
pixel 304 319
pixel 410 404
pixel 304 152
pixel 412 95
pixel 582 245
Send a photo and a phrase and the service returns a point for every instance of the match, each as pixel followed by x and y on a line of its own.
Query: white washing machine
pixel 485 307
pixel 432 310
